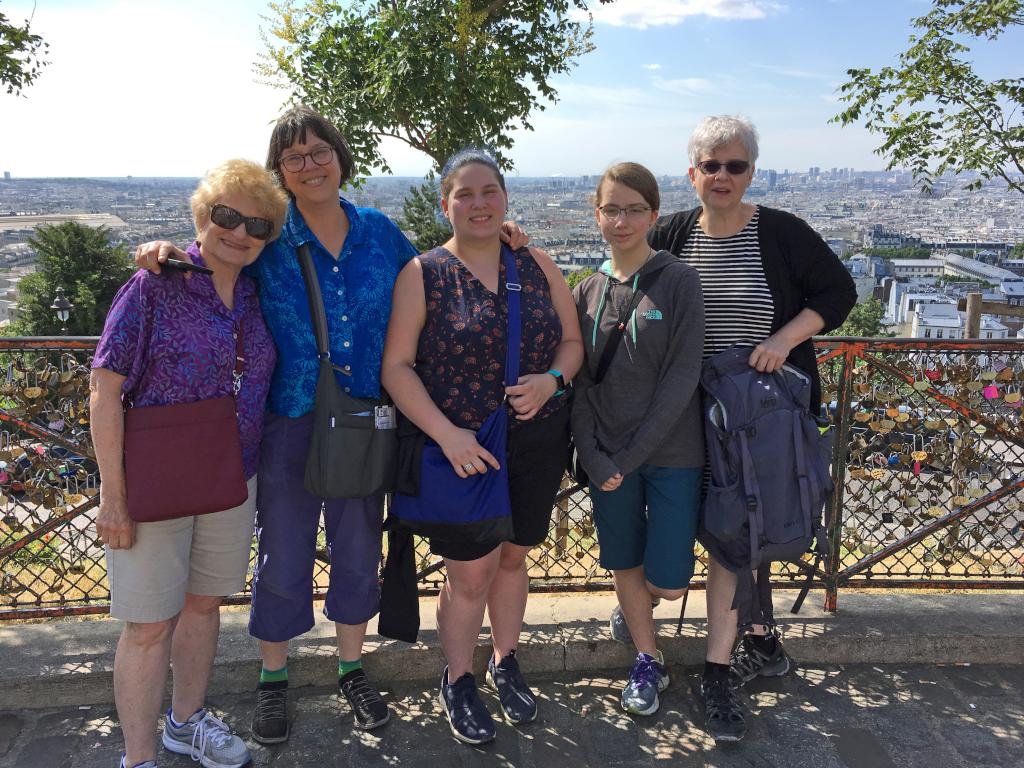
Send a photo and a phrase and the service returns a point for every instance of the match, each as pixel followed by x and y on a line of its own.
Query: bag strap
pixel 316 302
pixel 515 325
pixel 615 337
pixel 236 374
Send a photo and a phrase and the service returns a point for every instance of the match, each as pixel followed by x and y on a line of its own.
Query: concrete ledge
pixel 70 663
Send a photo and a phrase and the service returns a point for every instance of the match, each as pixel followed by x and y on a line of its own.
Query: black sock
pixel 712 670
pixel 766 643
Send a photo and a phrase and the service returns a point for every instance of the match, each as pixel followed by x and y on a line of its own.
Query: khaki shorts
pixel 203 555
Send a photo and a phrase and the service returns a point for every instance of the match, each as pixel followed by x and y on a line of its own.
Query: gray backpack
pixel 770 478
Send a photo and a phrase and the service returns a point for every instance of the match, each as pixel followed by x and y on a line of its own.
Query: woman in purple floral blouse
pixel 168 340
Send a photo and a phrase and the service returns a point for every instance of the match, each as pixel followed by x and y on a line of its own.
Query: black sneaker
pixel 469 719
pixel 517 701
pixel 723 717
pixel 270 720
pixel 370 710
pixel 749 660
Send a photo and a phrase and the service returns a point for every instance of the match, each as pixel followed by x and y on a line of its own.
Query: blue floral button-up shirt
pixel 356 289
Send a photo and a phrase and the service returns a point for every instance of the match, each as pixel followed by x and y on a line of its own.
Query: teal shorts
pixel 650 520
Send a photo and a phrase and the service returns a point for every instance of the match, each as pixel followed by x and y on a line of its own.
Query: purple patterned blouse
pixel 461 352
pixel 173 340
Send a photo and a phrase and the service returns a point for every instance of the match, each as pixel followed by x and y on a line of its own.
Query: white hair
pixel 717 131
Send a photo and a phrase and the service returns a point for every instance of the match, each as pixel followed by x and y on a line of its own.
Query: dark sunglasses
pixel 734 167
pixel 229 218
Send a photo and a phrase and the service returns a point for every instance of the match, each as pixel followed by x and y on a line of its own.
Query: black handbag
pixel 353 452
pixel 575 468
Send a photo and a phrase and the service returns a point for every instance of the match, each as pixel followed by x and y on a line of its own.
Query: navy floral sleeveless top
pixel 461 353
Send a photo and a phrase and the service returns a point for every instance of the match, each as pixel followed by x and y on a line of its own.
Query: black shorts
pixel 537 455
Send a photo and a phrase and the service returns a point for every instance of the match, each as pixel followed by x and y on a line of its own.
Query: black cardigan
pixel 799 267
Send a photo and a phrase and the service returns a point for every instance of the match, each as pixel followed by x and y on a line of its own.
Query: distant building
pixel 7 175
pixel 1014 293
pixel 937 321
pixel 18 229
pixel 880 237
pixel 943 321
pixel 916 268
pixel 904 301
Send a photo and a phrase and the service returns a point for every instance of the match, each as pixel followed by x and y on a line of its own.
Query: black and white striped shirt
pixel 738 307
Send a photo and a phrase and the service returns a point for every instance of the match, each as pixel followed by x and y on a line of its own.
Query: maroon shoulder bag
pixel 185 459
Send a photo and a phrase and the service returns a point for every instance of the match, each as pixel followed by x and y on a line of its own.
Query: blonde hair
pixel 240 177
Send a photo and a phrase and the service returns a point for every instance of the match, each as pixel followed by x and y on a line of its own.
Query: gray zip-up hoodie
pixel 646 410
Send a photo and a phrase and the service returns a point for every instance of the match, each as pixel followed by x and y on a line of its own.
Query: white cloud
pixel 802 74
pixel 652 66
pixel 642 14
pixel 683 86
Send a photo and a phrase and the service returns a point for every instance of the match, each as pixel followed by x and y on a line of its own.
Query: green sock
pixel 344 667
pixel 274 675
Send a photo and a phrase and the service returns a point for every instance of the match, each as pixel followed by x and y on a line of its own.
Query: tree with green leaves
pixel 82 261
pixel 864 320
pixel 436 75
pixel 935 113
pixel 420 217
pixel 577 276
pixel 22 55
pixel 906 252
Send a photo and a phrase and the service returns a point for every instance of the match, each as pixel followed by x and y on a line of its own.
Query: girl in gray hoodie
pixel 638 430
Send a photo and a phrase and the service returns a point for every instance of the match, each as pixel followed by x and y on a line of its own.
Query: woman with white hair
pixel 771 282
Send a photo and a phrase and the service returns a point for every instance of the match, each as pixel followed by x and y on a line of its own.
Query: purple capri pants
pixel 287 522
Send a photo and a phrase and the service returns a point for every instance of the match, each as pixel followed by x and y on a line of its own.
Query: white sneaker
pixel 206 740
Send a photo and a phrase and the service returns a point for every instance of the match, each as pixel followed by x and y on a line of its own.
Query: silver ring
pixel 469 467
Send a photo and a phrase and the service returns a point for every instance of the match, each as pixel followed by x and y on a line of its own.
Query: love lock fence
pixel 929 471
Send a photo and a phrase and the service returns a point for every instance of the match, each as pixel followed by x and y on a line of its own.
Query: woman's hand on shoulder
pixel 513 235
pixel 466 455
pixel 528 395
pixel 151 255
pixel 115 528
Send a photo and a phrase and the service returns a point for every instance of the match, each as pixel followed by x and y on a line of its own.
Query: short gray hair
pixel 718 130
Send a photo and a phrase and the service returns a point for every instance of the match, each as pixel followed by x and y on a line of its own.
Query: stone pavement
pixel 856 716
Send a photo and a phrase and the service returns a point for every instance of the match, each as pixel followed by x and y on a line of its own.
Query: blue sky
pixel 167 88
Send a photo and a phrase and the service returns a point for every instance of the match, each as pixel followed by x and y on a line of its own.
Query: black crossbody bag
pixel 353 452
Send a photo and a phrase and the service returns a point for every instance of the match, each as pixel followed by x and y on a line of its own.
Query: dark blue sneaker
pixel 517 701
pixel 469 719
pixel 646 679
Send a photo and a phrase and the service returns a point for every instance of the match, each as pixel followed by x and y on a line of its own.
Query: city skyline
pixel 161 89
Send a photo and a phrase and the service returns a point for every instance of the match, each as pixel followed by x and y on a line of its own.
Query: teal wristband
pixel 559 381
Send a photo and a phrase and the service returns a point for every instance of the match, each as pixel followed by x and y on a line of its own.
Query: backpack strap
pixel 802 480
pixel 755 513
pixel 615 337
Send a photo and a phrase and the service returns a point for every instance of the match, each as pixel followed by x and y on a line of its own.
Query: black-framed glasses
pixel 612 212
pixel 229 218
pixel 734 167
pixel 296 162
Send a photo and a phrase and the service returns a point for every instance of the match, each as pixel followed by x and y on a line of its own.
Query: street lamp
pixel 63 309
